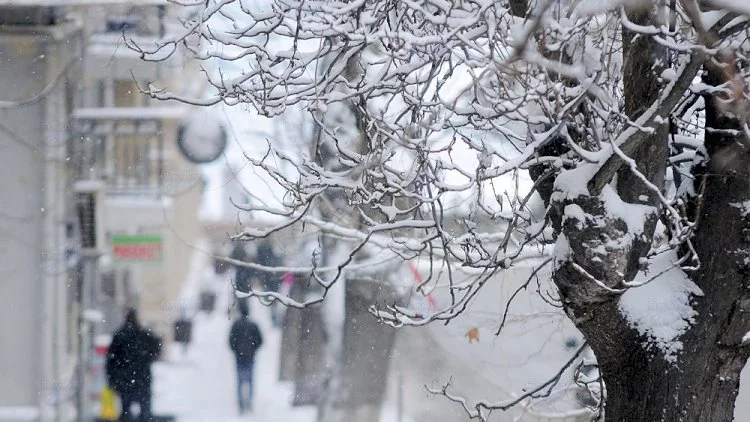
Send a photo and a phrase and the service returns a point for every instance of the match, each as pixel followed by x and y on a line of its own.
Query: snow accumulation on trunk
pixel 570 184
pixel 660 309
pixel 744 206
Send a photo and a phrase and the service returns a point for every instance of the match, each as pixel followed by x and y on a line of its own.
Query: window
pixel 127 94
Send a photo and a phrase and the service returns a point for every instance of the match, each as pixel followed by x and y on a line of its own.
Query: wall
pixel 34 351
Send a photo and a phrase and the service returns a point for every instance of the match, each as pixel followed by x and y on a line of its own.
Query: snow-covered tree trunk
pixel 359 367
pixel 696 377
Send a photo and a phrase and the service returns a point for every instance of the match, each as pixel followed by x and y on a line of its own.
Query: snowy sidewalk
pixel 201 385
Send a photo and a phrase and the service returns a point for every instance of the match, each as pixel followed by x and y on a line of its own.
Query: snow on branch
pixel 435 117
pixel 463 134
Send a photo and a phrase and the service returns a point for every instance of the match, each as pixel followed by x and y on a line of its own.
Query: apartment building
pixel 153 193
pixel 99 209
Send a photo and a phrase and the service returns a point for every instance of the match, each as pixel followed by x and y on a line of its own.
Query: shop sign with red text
pixel 139 247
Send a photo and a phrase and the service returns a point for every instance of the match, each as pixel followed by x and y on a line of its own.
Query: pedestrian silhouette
pixel 243 276
pixel 129 358
pixel 244 340
pixel 266 257
pixel 270 280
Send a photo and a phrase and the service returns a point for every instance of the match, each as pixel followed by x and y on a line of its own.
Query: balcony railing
pixel 123 147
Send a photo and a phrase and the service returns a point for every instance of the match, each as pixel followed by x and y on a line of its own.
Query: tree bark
pixel 702 383
pixel 291 334
pixel 655 390
pixel 357 385
pixel 644 59
pixel 309 375
pixel 518 8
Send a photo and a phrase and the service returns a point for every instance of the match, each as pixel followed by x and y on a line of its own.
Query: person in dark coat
pixel 129 358
pixel 266 256
pixel 271 281
pixel 244 340
pixel 242 275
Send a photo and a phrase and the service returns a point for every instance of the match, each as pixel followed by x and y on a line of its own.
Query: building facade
pixel 99 210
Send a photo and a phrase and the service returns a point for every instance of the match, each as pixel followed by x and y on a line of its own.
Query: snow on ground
pixel 530 349
pixel 200 385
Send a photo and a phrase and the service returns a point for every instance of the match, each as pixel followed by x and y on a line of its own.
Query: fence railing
pixel 124 147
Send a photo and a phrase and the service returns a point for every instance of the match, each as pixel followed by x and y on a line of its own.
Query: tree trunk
pixel 309 375
pixel 355 390
pixel 655 390
pixel 291 333
pixel 641 384
pixel 644 59
pixel 701 382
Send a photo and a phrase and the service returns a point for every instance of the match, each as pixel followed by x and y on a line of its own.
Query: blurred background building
pixel 98 204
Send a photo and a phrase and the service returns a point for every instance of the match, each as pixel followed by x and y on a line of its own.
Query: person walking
pixel 242 275
pixel 266 257
pixel 129 358
pixel 244 340
pixel 270 280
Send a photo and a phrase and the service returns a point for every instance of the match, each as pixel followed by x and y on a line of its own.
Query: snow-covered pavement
pixel 200 386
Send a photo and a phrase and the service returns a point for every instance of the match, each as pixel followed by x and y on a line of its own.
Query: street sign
pixel 137 248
